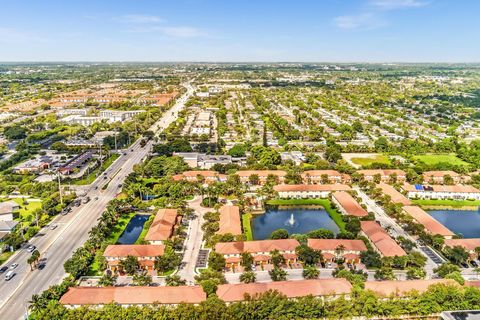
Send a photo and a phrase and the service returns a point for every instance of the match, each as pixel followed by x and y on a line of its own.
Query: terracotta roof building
pixel 162 226
pixel 383 243
pixel 259 249
pixel 229 220
pixel 302 191
pixel 400 288
pixel 385 174
pixel 291 289
pixel 340 248
pixel 396 196
pixel 318 176
pixel 127 296
pixel 348 205
pixel 437 177
pixel 431 225
pixel 468 244
pixel 262 175
pixel 455 192
pixel 145 255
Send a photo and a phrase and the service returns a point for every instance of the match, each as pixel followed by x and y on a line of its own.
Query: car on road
pixel 124 153
pixel 3 269
pixel 131 150
pixel 13 266
pixel 96 198
pixel 86 199
pixel 53 227
pixel 96 188
pixel 120 185
pixel 105 177
pixel 30 248
pixel 9 275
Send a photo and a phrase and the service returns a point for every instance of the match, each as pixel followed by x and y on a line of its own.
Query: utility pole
pixel 59 188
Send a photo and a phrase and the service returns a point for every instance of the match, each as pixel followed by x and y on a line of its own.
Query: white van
pixel 9 275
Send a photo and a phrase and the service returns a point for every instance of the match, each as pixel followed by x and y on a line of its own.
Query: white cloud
pixel 366 21
pixel 140 18
pixel 397 4
pixel 10 35
pixel 171 31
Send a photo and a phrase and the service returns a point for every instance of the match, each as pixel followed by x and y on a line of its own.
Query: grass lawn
pixel 247 228
pixel 27 210
pixel 433 159
pixel 93 175
pixel 449 203
pixel 373 159
pixel 325 203
pixel 4 256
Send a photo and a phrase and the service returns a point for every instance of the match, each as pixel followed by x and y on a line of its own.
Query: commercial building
pixel 76 163
pixel 349 250
pixel 229 220
pixel 145 255
pixel 348 205
pixel 117 115
pixel 380 239
pixel 259 249
pixel 439 192
pixel 162 226
pixel 304 191
pixel 431 225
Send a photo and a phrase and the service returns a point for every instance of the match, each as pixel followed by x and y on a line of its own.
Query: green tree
pixel 307 255
pixel 246 261
pixel 175 281
pixel 384 273
pixel 278 274
pixel 142 279
pixel 108 280
pixel 279 234
pixel 129 265
pixel 310 272
pixel 277 258
pixel 321 234
pixel 248 277
pixel 445 269
pixel 168 261
pixel 216 261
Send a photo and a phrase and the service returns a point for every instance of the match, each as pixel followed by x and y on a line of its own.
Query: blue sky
pixel 240 30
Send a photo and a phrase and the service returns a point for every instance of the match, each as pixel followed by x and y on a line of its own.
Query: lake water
pixel 133 229
pixel 305 219
pixel 464 222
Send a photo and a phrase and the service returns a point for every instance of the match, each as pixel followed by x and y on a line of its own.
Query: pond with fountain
pixel 294 219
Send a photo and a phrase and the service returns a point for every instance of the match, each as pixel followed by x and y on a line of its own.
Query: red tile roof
pixel 396 196
pixel 261 173
pixel 430 224
pixel 387 172
pixel 311 187
pixel 381 240
pixel 349 204
pixel 162 225
pixel 133 295
pixel 319 173
pixel 467 244
pixel 229 220
pixel 291 289
pixel 440 174
pixel 136 250
pixel 395 287
pixel 256 246
pixel 332 244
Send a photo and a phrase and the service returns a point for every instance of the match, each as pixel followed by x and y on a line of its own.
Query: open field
pixel 325 203
pixel 447 203
pixel 433 159
pixel 359 160
pixel 247 228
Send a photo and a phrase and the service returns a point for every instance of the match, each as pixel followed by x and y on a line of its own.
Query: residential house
pixel 431 225
pixel 439 192
pixel 7 209
pixel 145 255
pixel 259 249
pixel 304 191
pixel 380 239
pixel 468 244
pixel 324 177
pixel 347 204
pixel 395 196
pixel 229 220
pixel 438 177
pixel 349 250
pixel 385 174
pixel 162 226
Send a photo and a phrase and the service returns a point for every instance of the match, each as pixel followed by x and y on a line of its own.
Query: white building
pixel 455 192
pixel 312 191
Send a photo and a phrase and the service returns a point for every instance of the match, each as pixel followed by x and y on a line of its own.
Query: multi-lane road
pixel 58 245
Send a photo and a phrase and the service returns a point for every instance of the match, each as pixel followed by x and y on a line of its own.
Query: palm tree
pixel 175 281
pixel 311 272
pixel 129 265
pixel 248 277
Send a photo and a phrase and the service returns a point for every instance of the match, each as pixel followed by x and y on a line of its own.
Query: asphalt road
pixel 72 231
